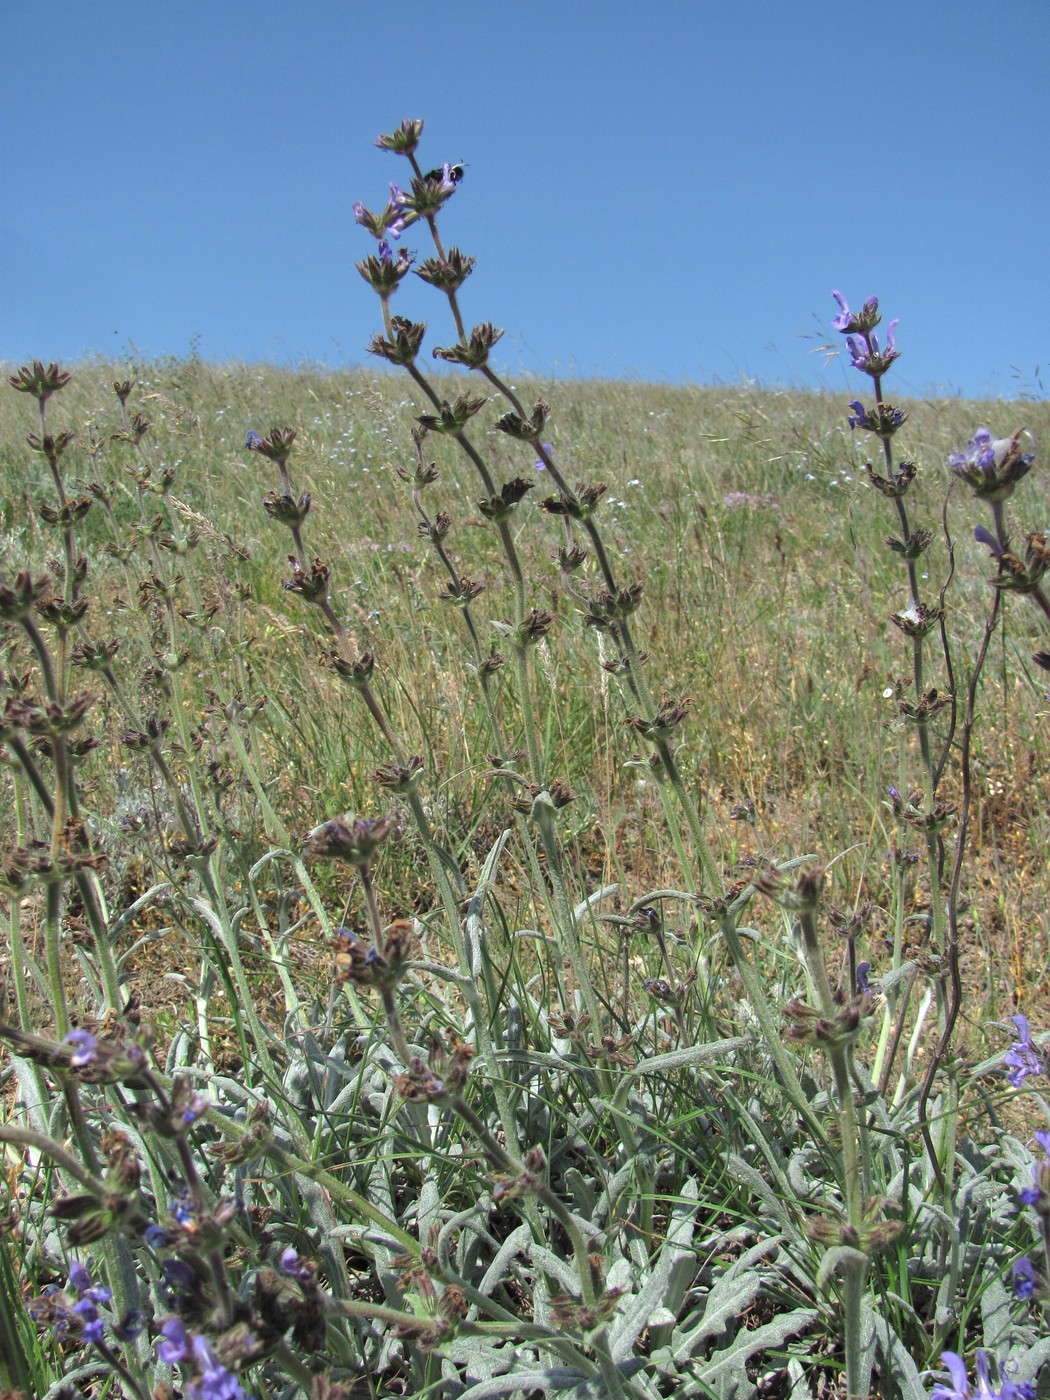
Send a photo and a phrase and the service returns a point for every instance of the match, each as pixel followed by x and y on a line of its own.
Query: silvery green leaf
pixel 897 1359
pixel 473 929
pixel 582 1190
pixel 746 1174
pixel 1028 1360
pixel 730 1296
pixel 551 1380
pixel 507 1252
pixel 639 1310
pixel 726 1374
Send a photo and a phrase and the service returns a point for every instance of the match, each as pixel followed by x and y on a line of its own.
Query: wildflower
pixel 984 536
pixel 85 1048
pixel 89 1295
pixel 866 355
pixel 883 420
pixel 525 429
pixel 277 445
pixel 73 1309
pixel 1038 1194
pixel 403 349
pixel 540 464
pixel 1022 1057
pixel 384 272
pixel 991 467
pixel 213 1381
pixel 897 485
pixel 1026 1279
pixel 917 543
pixel 175 1347
pixel 960 1387
pixel 1023 575
pixel 850 322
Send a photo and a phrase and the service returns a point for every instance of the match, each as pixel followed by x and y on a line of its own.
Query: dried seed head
pixel 39 381
pixel 353 839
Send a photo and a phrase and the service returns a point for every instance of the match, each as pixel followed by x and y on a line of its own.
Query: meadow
pixel 519 889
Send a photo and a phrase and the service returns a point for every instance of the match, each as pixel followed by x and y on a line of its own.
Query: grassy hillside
pixel 559 862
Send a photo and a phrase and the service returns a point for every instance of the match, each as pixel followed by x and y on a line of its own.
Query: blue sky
pixel 662 191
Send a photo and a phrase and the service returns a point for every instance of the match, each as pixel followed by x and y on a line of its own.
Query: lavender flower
pixel 175 1347
pixel 213 1381
pixel 1038 1194
pixel 1026 1279
pixel 89 1295
pixel 540 464
pixel 291 1264
pixel 849 322
pixel 883 420
pixel 960 1386
pixel 984 536
pixel 85 1048
pixel 73 1309
pixel 1022 1057
pixel 865 354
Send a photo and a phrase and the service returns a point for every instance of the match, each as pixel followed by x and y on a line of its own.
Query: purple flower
pixel 978 453
pixel 1038 1194
pixel 213 1380
pixel 960 1386
pixel 863 980
pixel 1026 1280
pixel 991 467
pixel 93 1327
pixel 884 419
pixel 858 418
pixel 85 1048
pixel 850 321
pixel 865 354
pixel 74 1307
pixel 80 1281
pixel 1022 1057
pixel 843 321
pixel 984 536
pixel 252 441
pixel 175 1347
pixel 540 464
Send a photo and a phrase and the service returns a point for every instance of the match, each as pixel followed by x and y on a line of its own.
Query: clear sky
pixel 665 190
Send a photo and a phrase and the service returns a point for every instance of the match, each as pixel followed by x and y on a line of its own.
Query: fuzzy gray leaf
pixel 726 1372
pixel 635 1313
